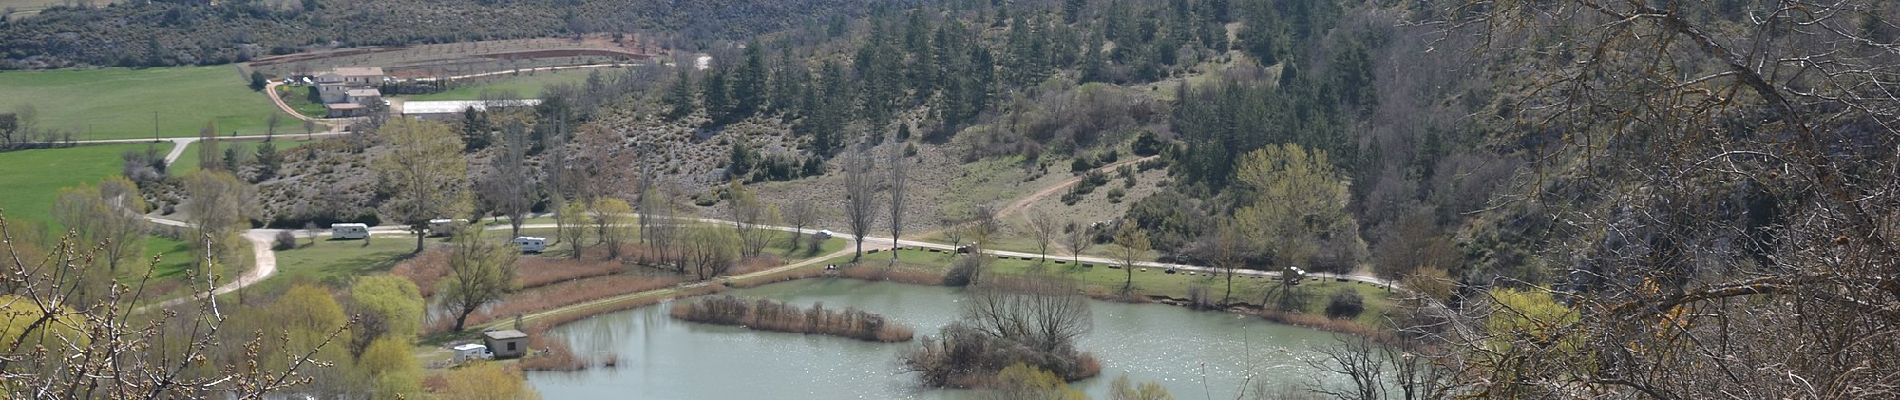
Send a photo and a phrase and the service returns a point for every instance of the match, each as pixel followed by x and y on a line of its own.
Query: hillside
pixel 158 33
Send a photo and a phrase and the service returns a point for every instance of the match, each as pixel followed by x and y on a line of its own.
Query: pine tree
pixel 749 84
pixel 681 95
pixel 717 96
pixel 788 82
pixel 1093 68
pixel 1072 10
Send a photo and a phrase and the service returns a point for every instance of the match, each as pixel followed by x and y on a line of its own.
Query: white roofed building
pixel 453 108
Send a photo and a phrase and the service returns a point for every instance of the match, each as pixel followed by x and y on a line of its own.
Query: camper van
pixel 443 227
pixel 531 245
pixel 471 352
pixel 349 231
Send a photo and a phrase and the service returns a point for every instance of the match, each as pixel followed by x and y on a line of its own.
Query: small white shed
pixel 530 244
pixel 472 351
pixel 349 231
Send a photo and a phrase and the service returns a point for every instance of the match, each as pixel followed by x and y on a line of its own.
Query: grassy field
pixel 118 103
pixel 298 97
pixel 525 85
pixel 188 161
pixel 32 180
pixel 23 8
pixel 338 261
pixel 1152 281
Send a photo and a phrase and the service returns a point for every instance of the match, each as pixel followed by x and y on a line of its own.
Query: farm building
pixel 350 91
pixel 440 110
pixel 506 343
pixel 334 86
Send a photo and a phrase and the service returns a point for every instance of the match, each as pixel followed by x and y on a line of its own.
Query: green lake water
pixel 1194 354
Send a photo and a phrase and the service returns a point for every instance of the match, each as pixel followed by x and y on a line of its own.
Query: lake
pixel 1194 354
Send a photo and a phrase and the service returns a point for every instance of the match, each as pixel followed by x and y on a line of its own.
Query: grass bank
pixel 524 84
pixel 119 103
pixel 247 150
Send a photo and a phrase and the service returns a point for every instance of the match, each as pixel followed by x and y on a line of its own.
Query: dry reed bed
pixel 424 269
pixel 569 293
pixel 531 272
pixel 768 315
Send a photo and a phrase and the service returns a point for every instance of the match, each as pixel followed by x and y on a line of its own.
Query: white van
pixel 443 227
pixel 349 231
pixel 531 245
pixel 471 352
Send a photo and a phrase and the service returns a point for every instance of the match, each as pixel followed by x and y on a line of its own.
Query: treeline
pixel 768 315
pixel 169 33
pixel 935 71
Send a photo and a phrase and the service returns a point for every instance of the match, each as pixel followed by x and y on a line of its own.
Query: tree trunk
pixel 462 318
pixel 1230 287
pixel 418 241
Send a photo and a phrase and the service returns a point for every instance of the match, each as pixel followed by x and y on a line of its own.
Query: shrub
pixel 1345 304
pixel 1082 163
pixel 1147 144
pixel 284 241
pixel 964 271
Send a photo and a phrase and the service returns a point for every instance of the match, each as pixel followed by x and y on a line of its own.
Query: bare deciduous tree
pixel 900 182
pixel 860 203
pixel 1045 312
pixel 615 219
pixel 1226 250
pixel 1078 238
pixel 746 212
pixel 662 234
pixel 510 191
pixel 1131 244
pixel 1045 228
pixel 800 213
pixel 983 225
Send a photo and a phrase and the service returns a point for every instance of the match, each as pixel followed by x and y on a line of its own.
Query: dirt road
pixel 1024 203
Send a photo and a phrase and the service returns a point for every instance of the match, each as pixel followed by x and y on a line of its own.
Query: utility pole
pixel 155 138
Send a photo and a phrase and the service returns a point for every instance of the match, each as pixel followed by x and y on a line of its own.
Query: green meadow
pixel 119 103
